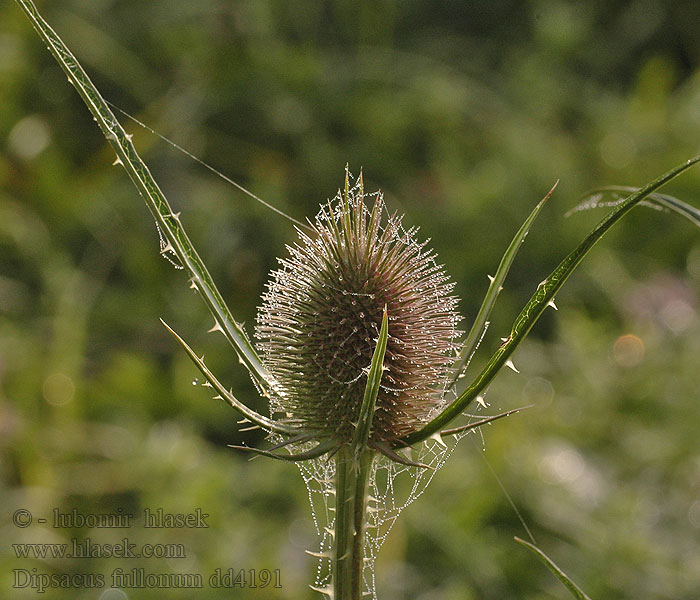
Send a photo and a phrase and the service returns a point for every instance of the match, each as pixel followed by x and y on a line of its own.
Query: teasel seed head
pixel 318 325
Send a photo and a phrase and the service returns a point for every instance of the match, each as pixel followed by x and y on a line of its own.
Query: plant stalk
pixel 351 485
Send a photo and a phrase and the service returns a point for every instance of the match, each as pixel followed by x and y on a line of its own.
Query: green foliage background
pixel 464 113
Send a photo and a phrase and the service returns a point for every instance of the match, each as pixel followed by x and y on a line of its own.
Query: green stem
pixel 351 479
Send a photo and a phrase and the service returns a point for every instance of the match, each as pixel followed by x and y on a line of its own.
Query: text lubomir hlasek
pixel 152 518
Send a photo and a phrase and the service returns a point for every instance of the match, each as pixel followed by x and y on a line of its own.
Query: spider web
pixel 392 487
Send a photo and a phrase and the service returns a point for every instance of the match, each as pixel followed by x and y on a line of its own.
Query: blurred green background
pixel 464 113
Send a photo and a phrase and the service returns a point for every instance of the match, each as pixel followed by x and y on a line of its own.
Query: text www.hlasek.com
pixel 88 549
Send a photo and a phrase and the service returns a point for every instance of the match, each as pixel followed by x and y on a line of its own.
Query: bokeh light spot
pixel 561 465
pixel 677 315
pixel 538 391
pixel 29 137
pixel 618 150
pixel 58 389
pixel 628 350
pixel 114 594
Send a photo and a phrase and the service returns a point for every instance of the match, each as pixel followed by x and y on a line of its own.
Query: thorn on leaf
pixel 510 365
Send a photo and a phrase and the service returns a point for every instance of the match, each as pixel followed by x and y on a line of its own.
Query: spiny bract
pixel 318 325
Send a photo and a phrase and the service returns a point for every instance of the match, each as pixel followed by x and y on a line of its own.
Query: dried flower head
pixel 322 311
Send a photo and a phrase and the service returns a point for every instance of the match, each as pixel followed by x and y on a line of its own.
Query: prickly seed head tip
pixel 319 321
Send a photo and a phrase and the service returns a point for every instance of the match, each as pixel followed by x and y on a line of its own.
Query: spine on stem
pixel 351 478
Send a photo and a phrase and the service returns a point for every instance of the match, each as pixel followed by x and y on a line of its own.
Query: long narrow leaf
pixel 591 200
pixel 679 207
pixel 474 335
pixel 484 421
pixel 168 221
pixel 374 378
pixel 391 454
pixel 226 395
pixel 542 298
pixel 576 591
pixel 315 452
